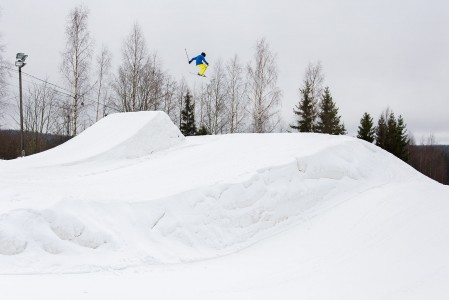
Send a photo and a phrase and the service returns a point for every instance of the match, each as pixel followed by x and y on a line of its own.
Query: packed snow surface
pixel 131 209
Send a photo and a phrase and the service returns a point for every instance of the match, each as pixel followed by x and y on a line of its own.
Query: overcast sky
pixel 375 54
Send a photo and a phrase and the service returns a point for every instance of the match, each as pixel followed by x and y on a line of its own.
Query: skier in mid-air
pixel 201 63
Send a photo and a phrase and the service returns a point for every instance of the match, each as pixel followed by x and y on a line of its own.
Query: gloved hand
pixel 190 61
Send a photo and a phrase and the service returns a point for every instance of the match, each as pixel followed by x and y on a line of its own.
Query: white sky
pixel 375 54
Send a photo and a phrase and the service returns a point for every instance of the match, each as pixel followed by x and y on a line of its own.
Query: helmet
pixel 203 54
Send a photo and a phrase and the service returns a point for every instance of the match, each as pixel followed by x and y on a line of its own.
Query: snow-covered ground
pixel 130 209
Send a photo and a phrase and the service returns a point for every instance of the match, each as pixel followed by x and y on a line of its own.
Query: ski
pixel 198 75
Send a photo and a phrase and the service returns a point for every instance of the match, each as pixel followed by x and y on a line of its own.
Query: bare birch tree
pixel 40 109
pixel 64 119
pixel 180 93
pixel 202 95
pixel 314 76
pixel 310 93
pixel 3 74
pixel 2 87
pixel 263 93
pixel 131 72
pixel 77 59
pixel 151 89
pixel 236 88
pixel 216 100
pixel 103 61
pixel 169 103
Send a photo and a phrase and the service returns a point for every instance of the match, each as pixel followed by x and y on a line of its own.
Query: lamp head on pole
pixel 20 59
pixel 21 56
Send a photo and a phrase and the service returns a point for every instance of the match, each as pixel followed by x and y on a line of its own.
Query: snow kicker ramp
pixel 301 215
pixel 118 136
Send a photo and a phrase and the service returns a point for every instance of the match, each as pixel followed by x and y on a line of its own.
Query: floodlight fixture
pixel 21 56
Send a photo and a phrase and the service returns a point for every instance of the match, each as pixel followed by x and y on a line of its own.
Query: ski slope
pixel 131 209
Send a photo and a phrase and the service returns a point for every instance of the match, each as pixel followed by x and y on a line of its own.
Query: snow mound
pixel 117 136
pixel 293 212
pixel 208 197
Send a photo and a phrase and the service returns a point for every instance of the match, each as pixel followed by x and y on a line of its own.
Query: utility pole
pixel 22 151
pixel 20 63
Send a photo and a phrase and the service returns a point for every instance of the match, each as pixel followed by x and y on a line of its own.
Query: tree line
pixel 10 143
pixel 391 134
pixel 240 96
pixel 317 112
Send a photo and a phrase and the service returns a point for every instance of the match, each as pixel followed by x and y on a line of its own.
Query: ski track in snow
pixel 132 195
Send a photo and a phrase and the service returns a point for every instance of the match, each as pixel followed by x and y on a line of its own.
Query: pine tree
pixel 306 111
pixel 328 118
pixel 366 129
pixel 188 116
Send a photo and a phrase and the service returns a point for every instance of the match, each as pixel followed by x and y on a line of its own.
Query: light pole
pixel 20 63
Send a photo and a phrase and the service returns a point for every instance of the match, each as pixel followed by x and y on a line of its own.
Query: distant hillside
pixel 444 148
pixel 33 143
pixel 432 161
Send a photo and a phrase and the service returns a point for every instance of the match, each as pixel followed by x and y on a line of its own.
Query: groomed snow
pixel 130 209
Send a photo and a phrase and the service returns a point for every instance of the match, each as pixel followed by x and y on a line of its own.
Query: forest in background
pixel 239 97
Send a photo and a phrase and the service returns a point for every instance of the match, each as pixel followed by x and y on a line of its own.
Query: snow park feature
pixel 132 209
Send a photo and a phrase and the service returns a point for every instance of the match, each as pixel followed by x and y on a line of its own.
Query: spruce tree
pixel 402 140
pixel 366 129
pixel 203 130
pixel 306 111
pixel 381 132
pixel 188 116
pixel 391 141
pixel 328 118
pixel 391 135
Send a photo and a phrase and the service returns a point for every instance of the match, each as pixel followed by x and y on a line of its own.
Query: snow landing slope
pixel 301 215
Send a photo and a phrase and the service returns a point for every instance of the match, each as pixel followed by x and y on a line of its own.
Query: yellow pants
pixel 203 68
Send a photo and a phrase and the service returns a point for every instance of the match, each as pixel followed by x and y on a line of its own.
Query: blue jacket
pixel 199 60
